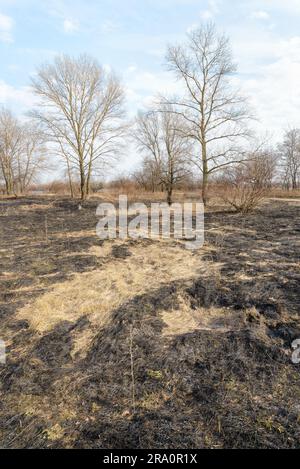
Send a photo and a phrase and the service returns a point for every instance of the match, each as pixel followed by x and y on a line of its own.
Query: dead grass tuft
pixel 186 319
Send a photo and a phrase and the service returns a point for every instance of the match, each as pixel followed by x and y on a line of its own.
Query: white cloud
pixel 131 69
pixel 70 26
pixel 289 6
pixel 108 27
pixel 207 15
pixel 19 100
pixel 192 27
pixel 6 27
pixel 274 87
pixel 212 10
pixel 142 87
pixel 260 15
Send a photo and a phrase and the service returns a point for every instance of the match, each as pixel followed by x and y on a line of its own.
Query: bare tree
pixel 289 152
pixel 10 148
pixel 32 159
pixel 215 114
pixel 148 176
pixel 166 149
pixel 81 109
pixel 22 152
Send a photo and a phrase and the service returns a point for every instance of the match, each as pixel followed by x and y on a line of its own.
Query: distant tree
pixel 81 110
pixel 215 114
pixel 10 148
pixel 32 160
pixel 289 151
pixel 167 151
pixel 148 176
pixel 22 152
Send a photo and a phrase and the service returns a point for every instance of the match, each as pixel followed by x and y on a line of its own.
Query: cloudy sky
pixel 130 36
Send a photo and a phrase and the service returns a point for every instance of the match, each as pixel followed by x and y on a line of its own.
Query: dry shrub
pixel 248 183
pixel 59 188
pixel 123 185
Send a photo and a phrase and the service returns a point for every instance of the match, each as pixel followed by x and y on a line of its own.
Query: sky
pixel 131 36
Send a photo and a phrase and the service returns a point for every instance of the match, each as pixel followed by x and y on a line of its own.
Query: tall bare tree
pixel 81 109
pixel 289 152
pixel 157 136
pixel 215 114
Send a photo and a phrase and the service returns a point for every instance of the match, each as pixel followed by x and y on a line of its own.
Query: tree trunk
pixel 8 192
pixel 169 196
pixel 70 179
pixel 82 190
pixel 87 187
pixel 88 180
pixel 82 185
pixel 8 183
pixel 205 175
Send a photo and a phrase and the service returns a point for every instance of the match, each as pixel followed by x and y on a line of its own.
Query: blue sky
pixel 130 36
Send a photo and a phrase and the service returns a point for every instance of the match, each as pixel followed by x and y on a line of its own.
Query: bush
pixel 245 185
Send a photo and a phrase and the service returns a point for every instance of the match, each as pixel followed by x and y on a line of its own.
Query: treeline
pixel 203 132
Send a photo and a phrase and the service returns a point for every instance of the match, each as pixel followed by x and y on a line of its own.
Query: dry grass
pixel 283 194
pixel 137 195
pixel 186 320
pixel 96 294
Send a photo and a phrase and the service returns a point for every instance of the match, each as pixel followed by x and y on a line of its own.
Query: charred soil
pixel 206 334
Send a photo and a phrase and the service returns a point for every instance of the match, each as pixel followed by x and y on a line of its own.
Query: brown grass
pixel 96 294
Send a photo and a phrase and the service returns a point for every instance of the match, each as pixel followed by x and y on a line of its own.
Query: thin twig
pixel 46 228
pixel 132 368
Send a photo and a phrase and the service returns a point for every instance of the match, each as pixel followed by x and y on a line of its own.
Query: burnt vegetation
pixel 224 380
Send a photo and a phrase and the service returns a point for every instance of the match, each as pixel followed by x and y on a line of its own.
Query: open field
pixel 144 344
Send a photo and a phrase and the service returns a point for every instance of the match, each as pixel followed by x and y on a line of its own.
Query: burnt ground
pixel 231 384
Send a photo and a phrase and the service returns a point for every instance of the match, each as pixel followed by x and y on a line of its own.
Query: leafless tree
pixel 10 148
pixel 81 109
pixel 289 152
pixel 167 151
pixel 215 114
pixel 22 152
pixel 33 158
pixel 148 176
